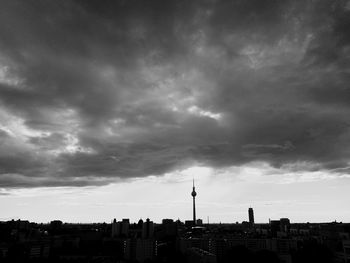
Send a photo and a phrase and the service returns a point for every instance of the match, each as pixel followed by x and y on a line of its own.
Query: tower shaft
pixel 194 210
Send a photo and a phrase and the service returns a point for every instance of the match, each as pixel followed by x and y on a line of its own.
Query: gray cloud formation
pixel 96 90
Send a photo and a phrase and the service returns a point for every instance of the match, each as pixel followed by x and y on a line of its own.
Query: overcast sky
pixel 109 108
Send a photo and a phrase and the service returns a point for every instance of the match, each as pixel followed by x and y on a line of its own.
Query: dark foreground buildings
pixel 173 241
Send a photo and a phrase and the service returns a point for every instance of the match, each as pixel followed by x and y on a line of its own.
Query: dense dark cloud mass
pixel 91 91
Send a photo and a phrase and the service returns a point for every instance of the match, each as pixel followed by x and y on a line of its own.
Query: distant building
pixel 251 216
pixel 121 228
pixel 114 228
pixel 275 227
pixel 147 229
pixel 284 225
pixel 280 227
pixel 167 229
pixel 124 227
pixel 56 224
pixel 167 221
pixel 140 223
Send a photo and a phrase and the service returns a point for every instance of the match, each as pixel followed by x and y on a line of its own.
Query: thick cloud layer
pixel 91 91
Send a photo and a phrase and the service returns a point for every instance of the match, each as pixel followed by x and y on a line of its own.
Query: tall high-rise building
pixel 194 203
pixel 251 215
pixel 124 227
pixel 147 229
pixel 120 228
pixel 114 228
pixel 168 228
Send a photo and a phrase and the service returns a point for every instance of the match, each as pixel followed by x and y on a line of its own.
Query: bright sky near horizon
pixel 221 197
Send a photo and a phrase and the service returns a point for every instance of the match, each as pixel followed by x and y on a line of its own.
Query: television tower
pixel 194 203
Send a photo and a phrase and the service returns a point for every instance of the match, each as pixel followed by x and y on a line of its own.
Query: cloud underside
pixel 92 91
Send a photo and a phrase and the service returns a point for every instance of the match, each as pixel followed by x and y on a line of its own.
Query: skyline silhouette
pixel 195 220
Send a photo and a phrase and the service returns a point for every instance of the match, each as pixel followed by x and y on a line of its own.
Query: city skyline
pixel 115 107
pixel 189 214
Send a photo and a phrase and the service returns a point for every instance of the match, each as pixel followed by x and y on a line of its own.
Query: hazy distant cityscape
pixel 192 241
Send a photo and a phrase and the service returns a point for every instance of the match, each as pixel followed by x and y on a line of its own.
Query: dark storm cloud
pixel 91 90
